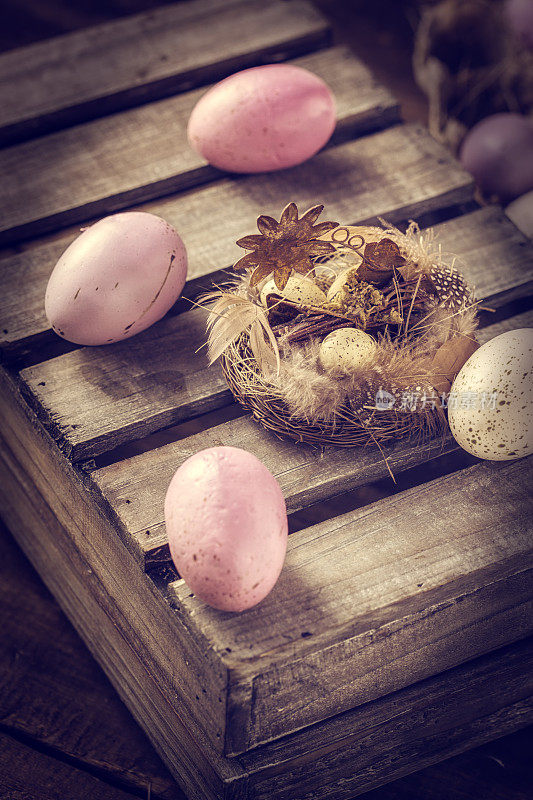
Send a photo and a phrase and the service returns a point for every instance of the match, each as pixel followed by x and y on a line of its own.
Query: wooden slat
pixel 26 774
pixel 153 666
pixel 76 553
pixel 378 739
pixel 400 172
pixel 54 694
pixel 136 488
pixel 143 153
pixel 122 63
pixel 114 394
pixel 326 639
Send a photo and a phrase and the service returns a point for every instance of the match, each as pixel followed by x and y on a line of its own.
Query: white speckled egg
pixel 298 289
pixel 520 211
pixel 491 403
pixel 227 527
pixel 116 279
pixel 264 118
pixel 346 350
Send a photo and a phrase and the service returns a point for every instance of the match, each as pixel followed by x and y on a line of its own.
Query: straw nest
pixel 418 313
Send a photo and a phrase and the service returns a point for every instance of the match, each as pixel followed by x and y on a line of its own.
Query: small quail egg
pixel 346 350
pixel 298 289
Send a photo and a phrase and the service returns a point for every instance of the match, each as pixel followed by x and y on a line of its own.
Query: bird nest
pixel 342 335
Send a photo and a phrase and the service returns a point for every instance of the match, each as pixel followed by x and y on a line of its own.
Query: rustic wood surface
pixel 67 710
pixel 98 398
pixel 135 487
pixel 26 774
pixel 202 683
pixel 52 548
pixel 420 177
pixel 304 655
pixel 91 72
pixel 123 159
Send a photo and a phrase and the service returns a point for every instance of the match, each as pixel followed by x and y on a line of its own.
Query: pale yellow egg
pixel 298 289
pixel 346 350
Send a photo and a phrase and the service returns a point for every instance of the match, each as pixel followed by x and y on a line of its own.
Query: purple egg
pixel 498 152
pixel 519 15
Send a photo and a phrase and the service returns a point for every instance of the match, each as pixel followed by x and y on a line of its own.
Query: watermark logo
pixel 384 400
pixel 422 399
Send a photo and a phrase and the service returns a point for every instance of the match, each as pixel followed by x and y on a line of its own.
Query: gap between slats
pixel 100 398
pixel 135 488
pixel 142 154
pixel 398 173
pixel 90 73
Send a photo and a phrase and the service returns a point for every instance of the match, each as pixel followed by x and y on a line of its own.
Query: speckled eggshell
pixel 298 289
pixel 346 350
pixel 227 527
pixel 491 411
pixel 263 118
pixel 116 279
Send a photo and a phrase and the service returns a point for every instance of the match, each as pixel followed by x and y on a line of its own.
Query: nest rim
pixel 346 428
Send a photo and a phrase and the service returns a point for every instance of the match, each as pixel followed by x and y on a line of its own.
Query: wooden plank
pixel 119 64
pixel 377 738
pixel 54 694
pixel 26 774
pixel 78 557
pixel 421 176
pixel 100 397
pixel 135 488
pixel 67 704
pixel 151 663
pixel 143 153
pixel 325 640
pixel 149 384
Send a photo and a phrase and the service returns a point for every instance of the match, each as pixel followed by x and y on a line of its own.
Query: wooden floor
pixel 64 733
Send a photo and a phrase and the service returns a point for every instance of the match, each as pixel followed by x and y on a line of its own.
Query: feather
pixel 230 316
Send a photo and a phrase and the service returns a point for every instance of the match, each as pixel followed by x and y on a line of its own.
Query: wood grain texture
pixel 54 694
pixel 26 774
pixel 135 488
pixel 68 704
pixel 83 442
pixel 357 182
pixel 153 666
pixel 125 62
pixel 101 397
pixel 377 738
pixel 323 642
pixel 497 688
pixel 140 154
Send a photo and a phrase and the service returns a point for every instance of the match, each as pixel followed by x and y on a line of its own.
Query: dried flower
pixel 379 261
pixel 284 246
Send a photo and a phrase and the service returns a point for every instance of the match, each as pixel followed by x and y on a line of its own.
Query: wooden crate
pixel 397 633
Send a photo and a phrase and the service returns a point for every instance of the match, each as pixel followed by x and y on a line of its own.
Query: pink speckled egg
pixel 227 527
pixel 262 119
pixel 116 279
